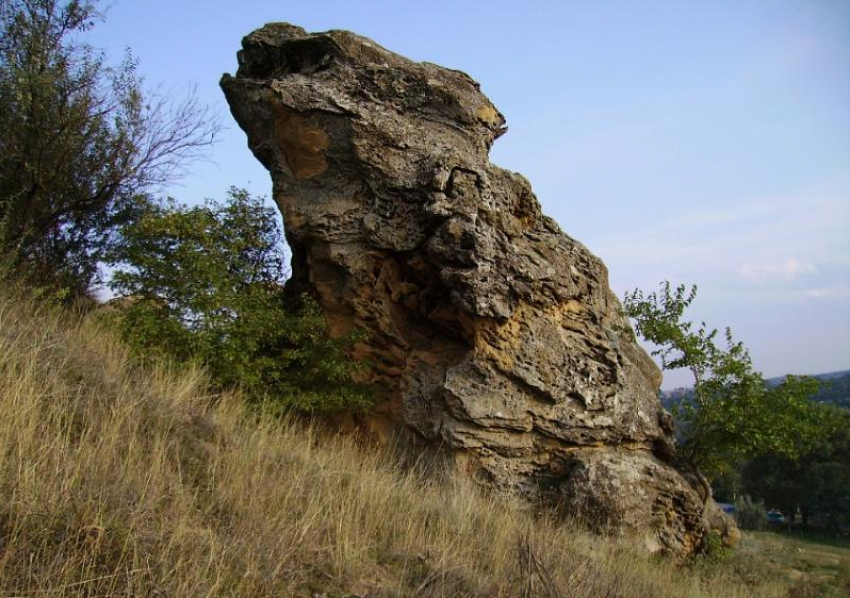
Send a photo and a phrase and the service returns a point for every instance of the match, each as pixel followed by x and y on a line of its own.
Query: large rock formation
pixel 496 332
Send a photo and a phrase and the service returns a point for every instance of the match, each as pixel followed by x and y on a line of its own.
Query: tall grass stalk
pixel 118 480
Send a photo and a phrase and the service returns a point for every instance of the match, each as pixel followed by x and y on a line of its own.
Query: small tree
pixel 733 414
pixel 205 284
pixel 79 142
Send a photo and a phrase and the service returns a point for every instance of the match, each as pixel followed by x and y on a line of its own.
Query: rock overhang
pixel 495 331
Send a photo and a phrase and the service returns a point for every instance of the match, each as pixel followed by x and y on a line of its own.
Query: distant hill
pixel 828 376
pixel 835 389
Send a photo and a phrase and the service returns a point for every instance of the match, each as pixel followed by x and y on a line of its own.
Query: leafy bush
pixel 715 552
pixel 205 284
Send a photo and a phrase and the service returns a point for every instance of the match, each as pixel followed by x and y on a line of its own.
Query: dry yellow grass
pixel 117 480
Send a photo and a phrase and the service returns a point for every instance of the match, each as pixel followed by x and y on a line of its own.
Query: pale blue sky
pixel 699 141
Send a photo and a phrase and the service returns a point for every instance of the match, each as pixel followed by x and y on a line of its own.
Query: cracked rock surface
pixel 496 332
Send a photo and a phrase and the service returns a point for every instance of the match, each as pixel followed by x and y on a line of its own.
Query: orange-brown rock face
pixel 495 331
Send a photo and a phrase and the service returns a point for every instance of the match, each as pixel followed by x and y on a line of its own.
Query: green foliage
pixel 205 284
pixel 835 390
pixel 79 142
pixel 818 483
pixel 734 414
pixel 728 484
pixel 714 553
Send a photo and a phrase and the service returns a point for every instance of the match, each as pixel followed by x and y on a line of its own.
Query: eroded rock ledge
pixel 496 332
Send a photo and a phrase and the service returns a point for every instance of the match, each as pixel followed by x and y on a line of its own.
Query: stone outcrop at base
pixel 497 334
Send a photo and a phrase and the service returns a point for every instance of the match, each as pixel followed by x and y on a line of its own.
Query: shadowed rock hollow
pixel 496 332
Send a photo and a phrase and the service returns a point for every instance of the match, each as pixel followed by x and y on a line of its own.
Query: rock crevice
pixel 496 333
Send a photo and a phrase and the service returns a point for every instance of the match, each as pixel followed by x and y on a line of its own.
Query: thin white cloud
pixel 786 270
pixel 826 293
pixel 755 245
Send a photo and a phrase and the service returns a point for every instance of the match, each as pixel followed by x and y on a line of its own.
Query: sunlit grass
pixel 118 480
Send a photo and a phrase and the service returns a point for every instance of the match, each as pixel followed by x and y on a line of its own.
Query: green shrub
pixel 714 553
pixel 205 284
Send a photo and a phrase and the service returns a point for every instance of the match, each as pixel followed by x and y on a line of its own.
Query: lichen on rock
pixel 497 334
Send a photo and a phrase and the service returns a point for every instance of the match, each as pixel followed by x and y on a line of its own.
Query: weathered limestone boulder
pixel 496 332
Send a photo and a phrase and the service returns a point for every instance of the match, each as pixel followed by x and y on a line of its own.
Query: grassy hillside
pixel 117 480
pixel 834 389
pixel 811 569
